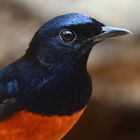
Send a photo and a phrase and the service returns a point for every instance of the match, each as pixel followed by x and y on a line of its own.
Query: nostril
pixel 102 31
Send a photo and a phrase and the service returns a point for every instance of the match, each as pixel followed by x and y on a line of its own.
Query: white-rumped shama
pixel 43 93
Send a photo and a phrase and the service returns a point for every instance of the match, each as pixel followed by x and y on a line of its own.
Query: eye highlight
pixel 67 35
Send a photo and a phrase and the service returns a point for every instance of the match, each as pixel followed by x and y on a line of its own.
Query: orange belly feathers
pixel 28 126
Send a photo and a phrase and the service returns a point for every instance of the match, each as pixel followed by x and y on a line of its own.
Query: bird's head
pixel 69 38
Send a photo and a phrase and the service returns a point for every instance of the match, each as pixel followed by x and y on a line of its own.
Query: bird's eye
pixel 67 35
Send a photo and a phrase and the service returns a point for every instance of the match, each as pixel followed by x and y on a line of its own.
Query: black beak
pixel 108 32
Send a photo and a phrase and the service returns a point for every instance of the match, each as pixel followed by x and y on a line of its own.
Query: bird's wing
pixel 7 108
pixel 8 91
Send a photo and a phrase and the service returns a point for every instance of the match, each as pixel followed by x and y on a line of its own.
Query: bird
pixel 45 91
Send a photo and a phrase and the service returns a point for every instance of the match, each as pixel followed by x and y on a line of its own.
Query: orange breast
pixel 28 126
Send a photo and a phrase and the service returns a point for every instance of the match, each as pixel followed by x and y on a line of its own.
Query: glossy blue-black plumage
pixel 51 78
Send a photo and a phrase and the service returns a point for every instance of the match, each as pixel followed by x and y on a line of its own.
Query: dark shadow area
pixel 103 122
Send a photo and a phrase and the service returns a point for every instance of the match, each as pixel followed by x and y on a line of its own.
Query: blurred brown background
pixel 114 109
